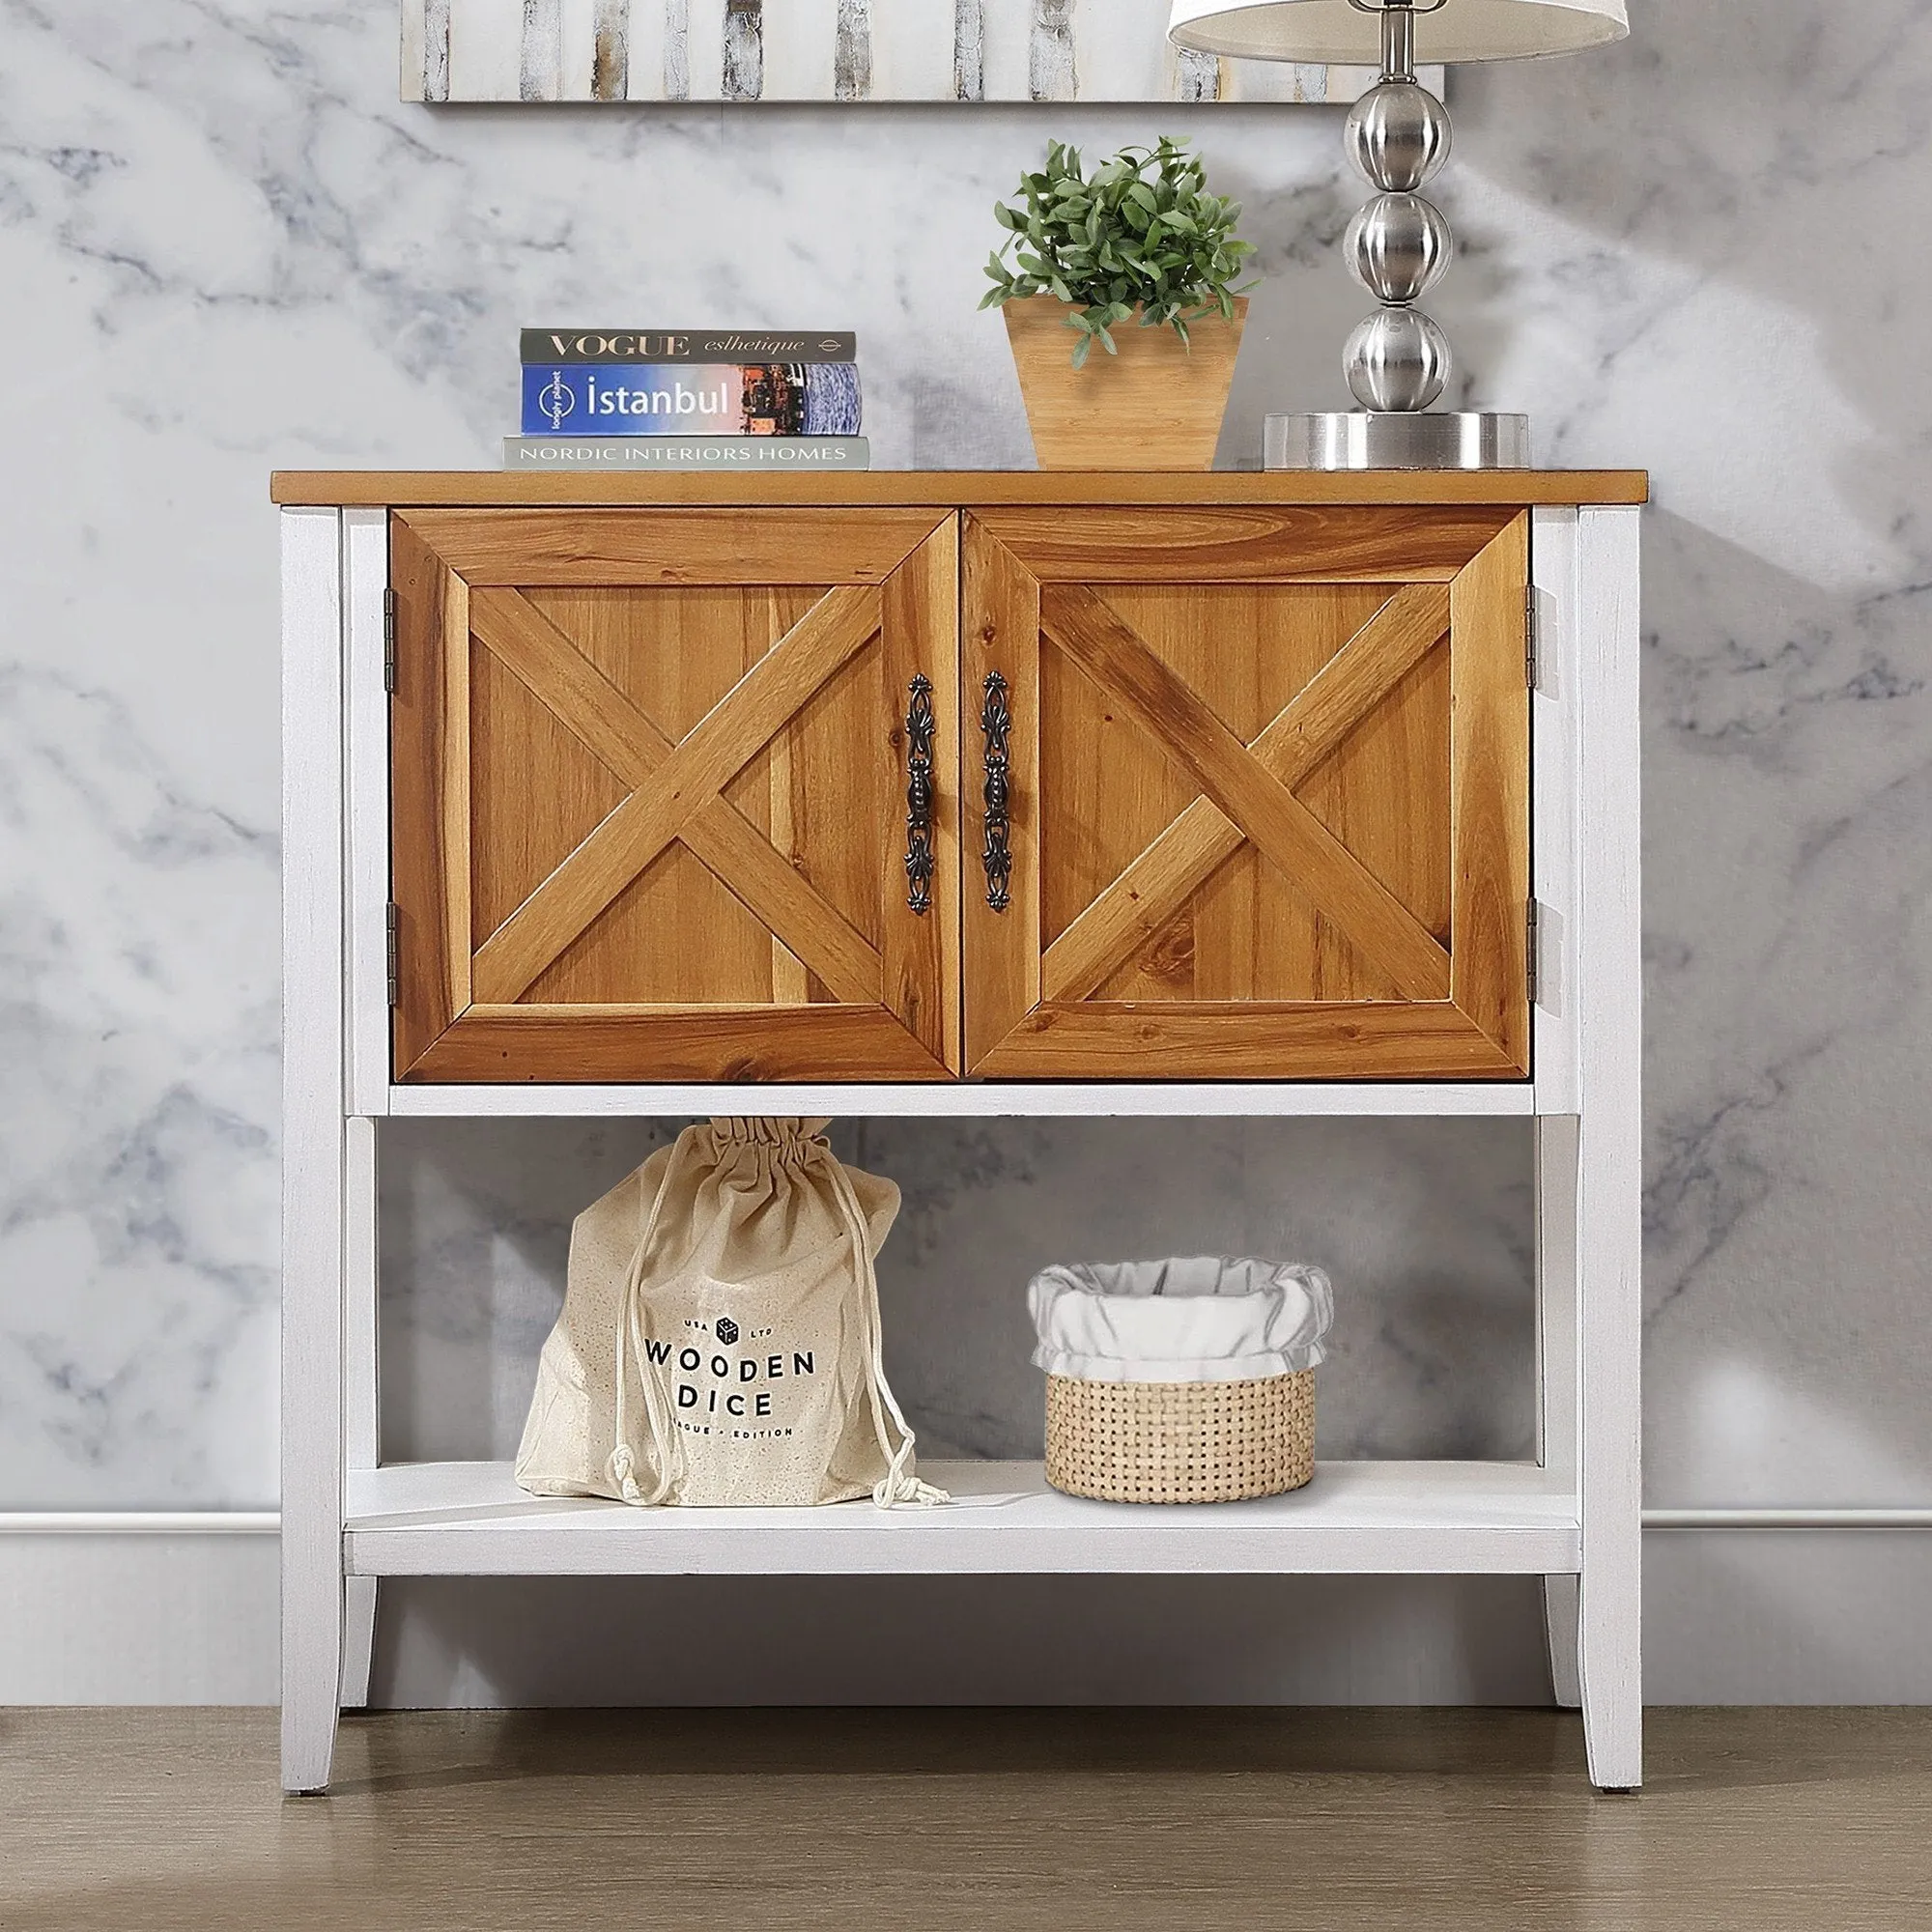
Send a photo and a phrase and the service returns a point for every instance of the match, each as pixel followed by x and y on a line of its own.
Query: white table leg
pixel 312 1580
pixel 1558 1369
pixel 358 1640
pixel 315 1146
pixel 361 1375
pixel 1609 1176
pixel 1560 1630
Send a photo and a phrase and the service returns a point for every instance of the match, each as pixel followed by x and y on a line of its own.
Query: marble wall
pixel 226 246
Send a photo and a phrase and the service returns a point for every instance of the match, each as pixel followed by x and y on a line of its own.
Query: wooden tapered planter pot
pixel 1156 405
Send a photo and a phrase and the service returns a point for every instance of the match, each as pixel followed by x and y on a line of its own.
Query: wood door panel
pixel 1273 545
pixel 583 549
pixel 429 794
pixel 1245 931
pixel 519 833
pixel 1226 772
pixel 1107 790
pixel 670 651
pixel 1489 785
pixel 1381 792
pixel 999 638
pixel 1212 1041
pixel 676 935
pixel 685 800
pixel 612 1044
pixel 1270 775
pixel 833 755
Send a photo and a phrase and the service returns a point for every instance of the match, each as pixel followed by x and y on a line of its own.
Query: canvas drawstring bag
pixel 719 1342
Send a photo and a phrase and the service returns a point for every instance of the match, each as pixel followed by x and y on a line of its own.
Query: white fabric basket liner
pixel 1199 1318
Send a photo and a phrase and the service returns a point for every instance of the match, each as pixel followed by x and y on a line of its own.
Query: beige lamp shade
pixel 1334 30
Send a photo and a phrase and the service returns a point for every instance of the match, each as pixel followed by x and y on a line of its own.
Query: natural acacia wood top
pixel 946 489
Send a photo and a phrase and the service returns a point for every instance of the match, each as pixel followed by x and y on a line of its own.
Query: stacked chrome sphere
pixel 1398 246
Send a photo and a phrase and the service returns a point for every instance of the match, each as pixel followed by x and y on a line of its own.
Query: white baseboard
pixel 139 1608
pixel 1774 1606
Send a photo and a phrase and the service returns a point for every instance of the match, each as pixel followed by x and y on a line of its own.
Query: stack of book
pixel 689 399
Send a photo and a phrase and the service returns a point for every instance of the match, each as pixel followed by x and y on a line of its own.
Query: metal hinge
pixel 388 640
pixel 1533 953
pixel 1532 635
pixel 393 953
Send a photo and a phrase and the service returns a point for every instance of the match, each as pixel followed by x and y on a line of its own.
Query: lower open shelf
pixel 469 1519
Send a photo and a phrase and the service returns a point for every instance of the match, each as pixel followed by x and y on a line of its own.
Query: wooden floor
pixel 149 1820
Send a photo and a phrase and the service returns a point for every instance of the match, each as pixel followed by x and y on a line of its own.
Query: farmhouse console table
pixel 1055 794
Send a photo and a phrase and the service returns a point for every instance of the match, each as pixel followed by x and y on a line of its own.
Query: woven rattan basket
pixel 1180 1442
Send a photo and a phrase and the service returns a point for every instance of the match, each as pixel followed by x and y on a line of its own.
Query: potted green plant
pixel 1138 241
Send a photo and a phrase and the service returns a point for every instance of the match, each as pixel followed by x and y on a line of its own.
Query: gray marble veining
pixel 226 245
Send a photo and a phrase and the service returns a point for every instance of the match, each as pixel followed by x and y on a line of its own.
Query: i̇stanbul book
pixel 692 398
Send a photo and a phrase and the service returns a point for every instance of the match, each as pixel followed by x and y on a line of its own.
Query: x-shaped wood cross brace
pixel 1248 792
pixel 676 792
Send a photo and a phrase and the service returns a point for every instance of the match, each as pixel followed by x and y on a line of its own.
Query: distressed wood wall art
pixel 840 50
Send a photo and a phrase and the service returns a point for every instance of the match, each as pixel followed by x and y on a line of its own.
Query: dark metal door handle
pixel 919 728
pixel 996 721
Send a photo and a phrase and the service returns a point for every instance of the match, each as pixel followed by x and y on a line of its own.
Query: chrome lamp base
pixel 1398 248
pixel 1396 439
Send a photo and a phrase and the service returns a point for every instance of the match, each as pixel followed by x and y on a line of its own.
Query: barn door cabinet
pixel 1244 790
pixel 964 794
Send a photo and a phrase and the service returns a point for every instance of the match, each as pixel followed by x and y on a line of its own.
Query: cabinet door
pixel 650 780
pixel 1267 776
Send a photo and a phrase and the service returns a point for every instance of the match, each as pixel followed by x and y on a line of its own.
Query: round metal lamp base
pixel 1378 440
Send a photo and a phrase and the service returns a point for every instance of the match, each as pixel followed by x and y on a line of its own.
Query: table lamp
pixel 1398 246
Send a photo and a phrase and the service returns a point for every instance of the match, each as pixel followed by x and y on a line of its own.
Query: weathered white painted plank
pixel 410 68
pixel 540 62
pixel 425 51
pixel 969 49
pixel 704 47
pixel 799 47
pixel 486 49
pixel 1053 60
pixel 609 51
pixel 852 51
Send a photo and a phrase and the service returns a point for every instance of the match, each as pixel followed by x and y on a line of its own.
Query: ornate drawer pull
pixel 996 719
pixel 919 727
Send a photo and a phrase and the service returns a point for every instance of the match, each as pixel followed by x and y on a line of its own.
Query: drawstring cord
pixel 664 1445
pixel 898 1484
